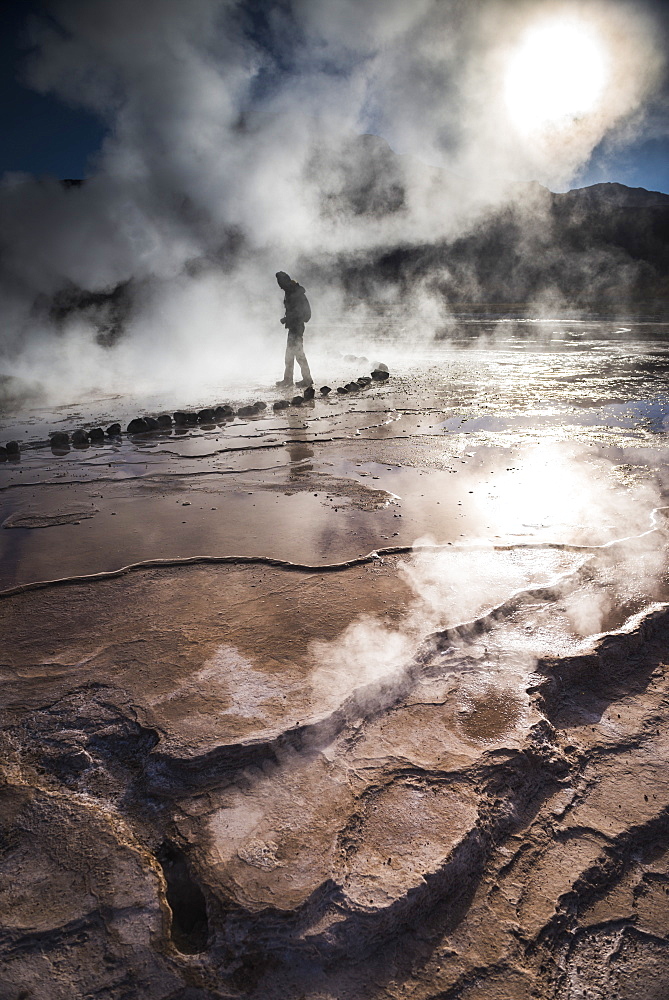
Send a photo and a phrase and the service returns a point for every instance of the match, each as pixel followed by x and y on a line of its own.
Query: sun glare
pixel 556 75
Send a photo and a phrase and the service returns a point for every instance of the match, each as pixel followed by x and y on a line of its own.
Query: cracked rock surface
pixel 311 759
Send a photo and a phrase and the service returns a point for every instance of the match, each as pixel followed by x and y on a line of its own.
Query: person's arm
pixel 291 316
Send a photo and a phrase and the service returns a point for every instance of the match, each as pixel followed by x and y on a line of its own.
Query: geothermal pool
pixel 363 698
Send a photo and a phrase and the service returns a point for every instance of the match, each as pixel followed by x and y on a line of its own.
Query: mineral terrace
pixel 363 698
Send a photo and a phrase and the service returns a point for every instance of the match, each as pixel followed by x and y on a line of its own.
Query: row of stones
pixel 9 450
pixel 181 418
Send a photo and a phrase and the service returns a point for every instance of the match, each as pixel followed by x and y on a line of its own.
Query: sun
pixel 556 75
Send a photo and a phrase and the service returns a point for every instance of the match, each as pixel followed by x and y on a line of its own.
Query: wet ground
pixel 366 697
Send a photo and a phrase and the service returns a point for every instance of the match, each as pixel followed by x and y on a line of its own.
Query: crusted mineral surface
pixel 364 705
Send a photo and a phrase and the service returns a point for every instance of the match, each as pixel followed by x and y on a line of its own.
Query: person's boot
pixel 284 383
pixel 304 383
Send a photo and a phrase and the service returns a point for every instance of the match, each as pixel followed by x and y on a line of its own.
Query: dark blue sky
pixel 38 134
pixel 641 164
pixel 41 135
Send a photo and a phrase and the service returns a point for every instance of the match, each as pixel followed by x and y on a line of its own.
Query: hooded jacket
pixel 297 305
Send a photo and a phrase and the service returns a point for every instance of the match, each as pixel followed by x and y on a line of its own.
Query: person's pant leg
pixel 290 359
pixel 296 335
pixel 301 359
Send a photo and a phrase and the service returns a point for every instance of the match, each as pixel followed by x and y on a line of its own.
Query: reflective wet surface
pixel 561 440
pixel 352 657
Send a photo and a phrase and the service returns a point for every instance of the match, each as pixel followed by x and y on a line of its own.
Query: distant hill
pixel 602 249
pixel 614 195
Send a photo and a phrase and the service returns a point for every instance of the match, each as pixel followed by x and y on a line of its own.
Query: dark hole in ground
pixel 190 926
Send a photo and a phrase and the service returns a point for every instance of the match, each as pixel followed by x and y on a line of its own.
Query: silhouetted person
pixel 298 312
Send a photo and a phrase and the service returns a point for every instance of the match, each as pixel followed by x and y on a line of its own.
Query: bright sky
pixel 551 80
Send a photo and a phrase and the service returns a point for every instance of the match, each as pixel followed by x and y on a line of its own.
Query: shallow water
pixel 481 467
pixel 507 442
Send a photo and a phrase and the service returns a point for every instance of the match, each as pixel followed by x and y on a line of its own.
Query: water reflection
pixel 299 451
pixel 522 441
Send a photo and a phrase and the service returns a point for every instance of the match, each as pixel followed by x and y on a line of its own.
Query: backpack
pixel 305 308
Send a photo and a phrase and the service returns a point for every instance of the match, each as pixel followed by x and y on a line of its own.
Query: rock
pixel 380 367
pixel 325 389
pixel 152 423
pixel 309 392
pixel 342 391
pixel 116 900
pixel 224 412
pixel 3 453
pixel 364 381
pixel 13 447
pixel 280 404
pixel 352 386
pixel 77 760
pixel 96 434
pixel 114 430
pixel 297 401
pixel 252 410
pixel 185 419
pixel 206 416
pixel 137 426
pixel 59 439
pixel 350 357
pixel 80 439
pixel 164 420
pixel 379 375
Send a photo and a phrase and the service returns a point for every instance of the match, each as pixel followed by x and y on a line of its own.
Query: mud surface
pixel 365 701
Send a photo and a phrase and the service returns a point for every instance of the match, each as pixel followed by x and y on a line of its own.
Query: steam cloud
pixel 621 568
pixel 231 152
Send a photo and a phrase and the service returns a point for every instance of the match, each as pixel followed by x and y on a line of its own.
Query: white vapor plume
pixel 602 563
pixel 231 152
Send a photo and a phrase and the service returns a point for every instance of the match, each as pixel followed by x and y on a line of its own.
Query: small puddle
pixel 487 716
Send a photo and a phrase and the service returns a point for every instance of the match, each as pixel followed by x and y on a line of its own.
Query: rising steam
pixel 599 556
pixel 231 152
